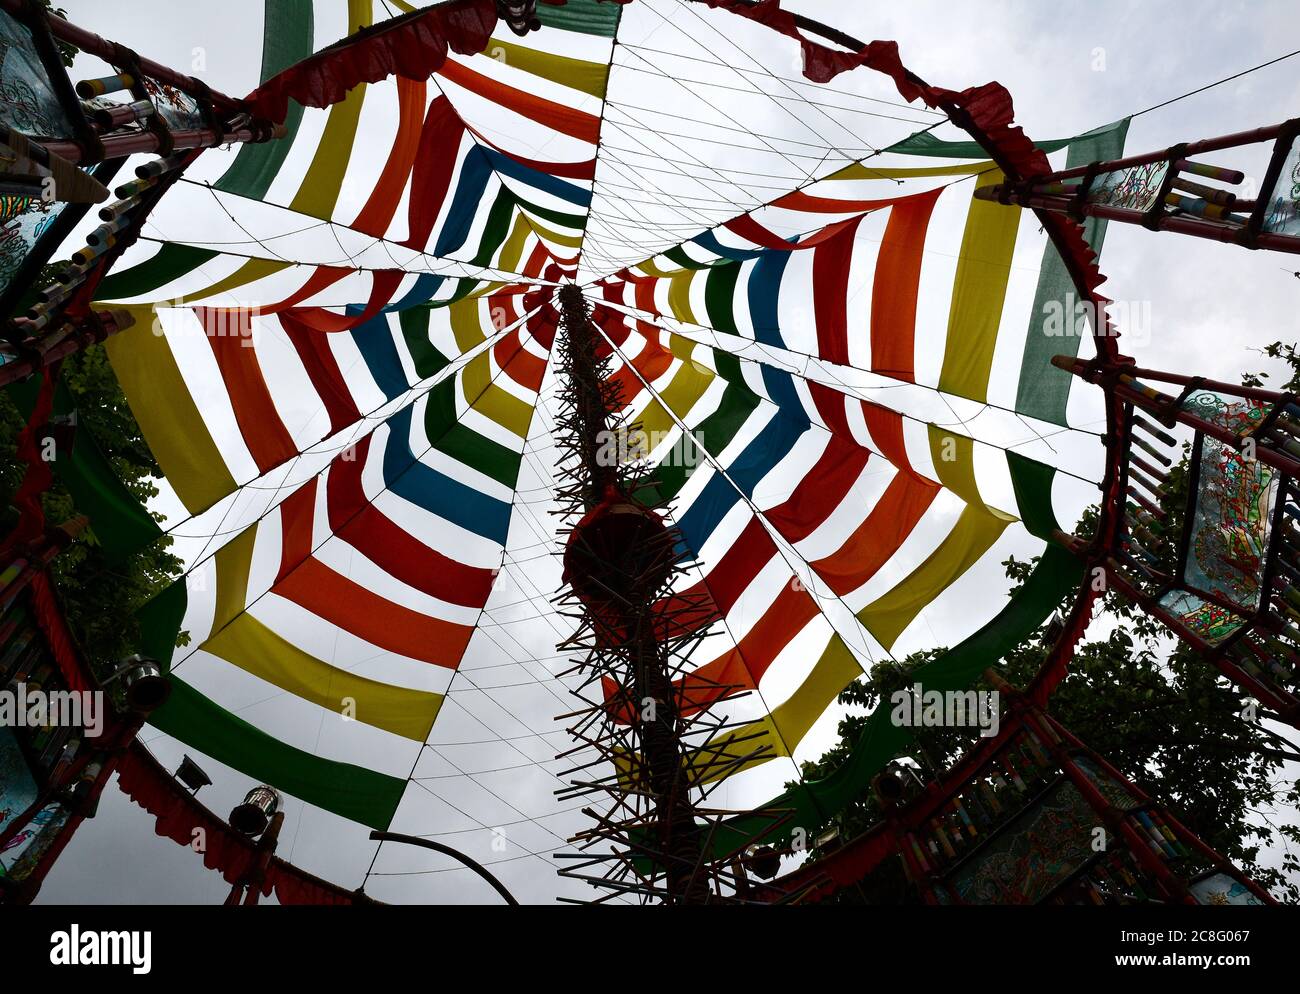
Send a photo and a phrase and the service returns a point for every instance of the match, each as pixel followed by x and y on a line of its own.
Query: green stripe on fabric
pixel 160 623
pixel 1044 390
pixel 589 17
pixel 464 444
pixel 171 262
pixel 926 143
pixel 720 297
pixel 349 791
pixel 288 38
pixel 496 228
pixel 716 431
pixel 415 330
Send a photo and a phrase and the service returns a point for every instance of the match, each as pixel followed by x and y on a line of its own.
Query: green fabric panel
pixel 490 458
pixel 926 143
pixel 463 444
pixel 679 256
pixel 352 792
pixel 1056 573
pixel 415 330
pixel 496 228
pixel 288 38
pixel 720 297
pixel 1044 390
pixel 716 432
pixel 440 410
pixel 1032 481
pixel 574 222
pixel 171 263
pixel 589 17
pixel 464 287
pixel 160 622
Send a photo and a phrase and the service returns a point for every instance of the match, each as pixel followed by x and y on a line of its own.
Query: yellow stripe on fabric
pixel 512 250
pixel 577 74
pixel 250 272
pixel 319 192
pixel 254 648
pixel 234 563
pixel 651 268
pixel 494 402
pixel 858 170
pixel 975 532
pixel 168 417
pixel 954 462
pixel 679 296
pixel 834 671
pixel 466 324
pixel 779 733
pixel 978 293
pixel 684 390
pixel 550 235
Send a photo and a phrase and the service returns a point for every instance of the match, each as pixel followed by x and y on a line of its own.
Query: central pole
pixel 619 562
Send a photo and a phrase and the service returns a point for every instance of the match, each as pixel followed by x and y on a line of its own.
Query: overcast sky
pixel 1069 71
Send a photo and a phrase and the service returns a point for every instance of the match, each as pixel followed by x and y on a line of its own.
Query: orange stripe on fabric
pixel 897 281
pixel 380 209
pixel 263 431
pixel 344 602
pixel 886 428
pixel 557 117
pixel 879 536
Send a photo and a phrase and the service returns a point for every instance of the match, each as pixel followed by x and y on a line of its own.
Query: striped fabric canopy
pixel 839 357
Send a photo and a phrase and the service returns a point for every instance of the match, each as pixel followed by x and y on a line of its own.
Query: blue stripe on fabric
pixel 470 188
pixel 709 242
pixel 764 288
pixel 374 340
pixel 537 179
pixel 425 487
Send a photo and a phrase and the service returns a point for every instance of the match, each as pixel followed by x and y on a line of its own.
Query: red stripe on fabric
pixel 518 363
pixel 355 608
pixel 746 227
pixel 313 349
pixel 383 286
pixel 566 120
pixel 297 519
pixel 435 162
pixel 229 332
pixel 798 200
pixel 743 667
pixel 391 547
pixel 380 209
pixel 897 281
pixel 585 169
pixel 886 429
pixel 831 263
pixel 879 536
pixel 820 491
pixel 323 278
pixel 830 405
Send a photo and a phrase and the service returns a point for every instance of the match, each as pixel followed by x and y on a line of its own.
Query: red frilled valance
pixel 414 46
pixel 179 816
